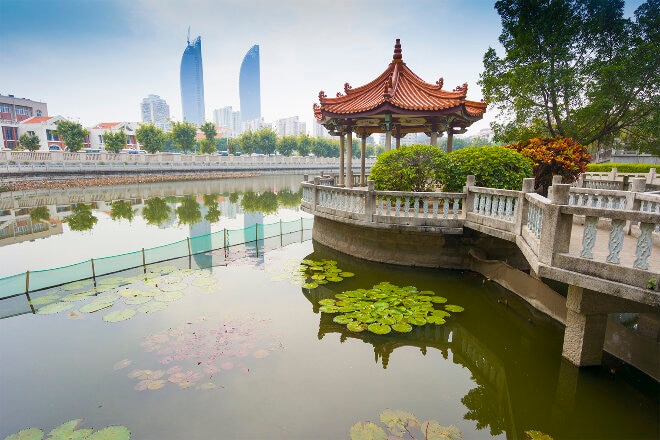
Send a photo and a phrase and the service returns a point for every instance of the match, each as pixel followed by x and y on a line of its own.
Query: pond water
pixel 232 346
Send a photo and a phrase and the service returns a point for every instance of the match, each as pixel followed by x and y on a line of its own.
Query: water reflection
pixel 81 218
pixel 156 211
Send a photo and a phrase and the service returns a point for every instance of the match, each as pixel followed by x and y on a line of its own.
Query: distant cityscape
pixel 23 115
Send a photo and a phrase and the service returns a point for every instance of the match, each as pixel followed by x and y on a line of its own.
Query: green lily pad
pixel 119 315
pixel 433 319
pixel 55 308
pixel 402 327
pixel 438 299
pixel 46 299
pixel 80 296
pixel 327 302
pixel 27 434
pixel 346 274
pixel 329 309
pixel 454 308
pixel 342 319
pixel 152 307
pixel 334 279
pixel 356 326
pixel 137 300
pixel 97 304
pixel 116 432
pixel 367 431
pixel 379 329
pixel 310 285
pixel 65 430
pixel 415 320
pixel 169 296
pixel 172 287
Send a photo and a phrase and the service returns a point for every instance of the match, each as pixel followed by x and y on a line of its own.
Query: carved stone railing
pixel 613 180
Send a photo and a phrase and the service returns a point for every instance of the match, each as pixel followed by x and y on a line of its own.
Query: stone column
pixel 398 142
pixel 341 159
pixel 556 229
pixel 434 138
pixel 363 152
pixel 450 139
pixel 349 159
pixel 388 140
pixel 370 199
pixel 585 328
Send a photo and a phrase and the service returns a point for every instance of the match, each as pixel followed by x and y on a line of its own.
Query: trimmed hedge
pixel 622 167
pixel 411 168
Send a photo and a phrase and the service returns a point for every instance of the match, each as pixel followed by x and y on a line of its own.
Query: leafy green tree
pixel 151 138
pixel 578 69
pixel 183 135
pixel 412 168
pixel 325 147
pixel 493 167
pixel 265 202
pixel 221 144
pixel 209 130
pixel 305 144
pixel 114 141
pixel 267 141
pixel 156 211
pixel 72 134
pixel 233 146
pixel 287 145
pixel 29 142
pixel 207 146
pixel 248 142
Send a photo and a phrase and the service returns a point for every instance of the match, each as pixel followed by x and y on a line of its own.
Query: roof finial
pixel 397 51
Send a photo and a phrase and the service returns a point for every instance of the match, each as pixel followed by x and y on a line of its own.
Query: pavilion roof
pixel 399 90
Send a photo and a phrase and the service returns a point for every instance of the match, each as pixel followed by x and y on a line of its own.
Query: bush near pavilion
pixel 492 167
pixel 411 168
pixel 553 156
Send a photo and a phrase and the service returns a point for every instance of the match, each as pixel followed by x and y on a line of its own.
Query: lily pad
pixel 96 305
pixel 115 432
pixel 433 319
pixel 65 430
pixel 438 299
pixel 46 299
pixel 152 307
pixel 379 329
pixel 172 287
pixel 454 308
pixel 327 302
pixel 356 326
pixel 55 308
pixel 329 309
pixel 346 274
pixel 137 300
pixel 27 434
pixel 342 319
pixel 119 315
pixel 367 431
pixel 169 296
pixel 402 327
pixel 311 285
pixel 79 296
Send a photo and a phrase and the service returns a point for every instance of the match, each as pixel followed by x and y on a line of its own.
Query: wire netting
pixel 40 279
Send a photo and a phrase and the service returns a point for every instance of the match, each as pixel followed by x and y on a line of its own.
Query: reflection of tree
pixel 189 212
pixel 485 409
pixel 288 198
pixel 39 213
pixel 82 218
pixel 265 202
pixel 211 202
pixel 233 197
pixel 156 211
pixel 121 209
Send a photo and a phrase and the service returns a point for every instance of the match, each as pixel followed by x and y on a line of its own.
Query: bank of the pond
pixel 86 182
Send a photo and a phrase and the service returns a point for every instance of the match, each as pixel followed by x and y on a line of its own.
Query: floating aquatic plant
pixel 310 273
pixel 69 431
pixel 386 307
pixel 399 423
pixel 119 315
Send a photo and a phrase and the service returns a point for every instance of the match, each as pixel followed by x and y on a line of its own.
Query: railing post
pixel 556 229
pixel 637 185
pixel 315 193
pixel 469 196
pixel 369 201
pixel 523 205
pixel 651 175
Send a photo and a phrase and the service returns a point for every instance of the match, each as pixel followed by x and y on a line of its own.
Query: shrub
pixel 622 167
pixel 553 156
pixel 492 166
pixel 412 168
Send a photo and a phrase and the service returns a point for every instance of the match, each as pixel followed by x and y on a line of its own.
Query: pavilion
pixel 396 103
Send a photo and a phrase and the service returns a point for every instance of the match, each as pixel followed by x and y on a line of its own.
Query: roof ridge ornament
pixel 463 88
pixel 440 82
pixel 398 57
pixel 322 95
pixel 347 87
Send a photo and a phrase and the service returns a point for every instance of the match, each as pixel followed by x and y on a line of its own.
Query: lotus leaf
pixel 367 431
pixel 122 364
pixel 207 386
pixel 79 434
pixel 356 326
pixel 27 434
pixel 433 319
pixel 46 299
pixel 537 435
pixel 402 327
pixel 440 313
pixel 119 315
pixel 454 308
pixel 169 296
pixel 78 296
pixel 318 276
pixel 137 300
pixel 310 285
pixel 379 329
pixel 438 299
pixel 77 285
pixel 342 319
pixel 334 279
pixel 435 431
pixel 387 321
pixel 327 302
pixel 115 432
pixel 64 430
pixel 329 309
pixel 415 320
pixel 96 305
pixel 128 293
pixel 341 296
pixel 397 421
pixel 55 308
pixel 426 292
pixel 346 274
pixel 152 307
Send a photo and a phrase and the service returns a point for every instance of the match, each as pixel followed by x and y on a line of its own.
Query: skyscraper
pixel 155 110
pixel 192 82
pixel 249 85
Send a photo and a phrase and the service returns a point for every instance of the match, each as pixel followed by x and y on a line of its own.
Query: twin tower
pixel 192 84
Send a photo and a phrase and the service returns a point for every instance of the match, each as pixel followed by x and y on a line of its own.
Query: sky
pixel 94 61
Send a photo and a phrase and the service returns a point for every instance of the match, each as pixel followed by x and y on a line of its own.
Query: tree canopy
pixel 73 135
pixel 209 130
pixel 578 69
pixel 29 142
pixel 183 135
pixel 150 137
pixel 114 141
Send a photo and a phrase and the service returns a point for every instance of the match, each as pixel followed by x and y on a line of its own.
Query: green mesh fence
pixel 41 279
pixel 115 263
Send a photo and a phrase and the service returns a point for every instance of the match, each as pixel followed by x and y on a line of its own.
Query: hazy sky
pixel 95 60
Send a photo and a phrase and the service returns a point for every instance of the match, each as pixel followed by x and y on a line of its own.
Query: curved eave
pixel 389 108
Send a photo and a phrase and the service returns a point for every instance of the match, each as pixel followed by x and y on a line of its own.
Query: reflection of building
pixel 155 110
pixel 192 82
pixel 17 226
pixel 249 85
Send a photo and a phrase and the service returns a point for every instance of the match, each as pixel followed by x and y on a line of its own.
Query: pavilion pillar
pixel 450 139
pixel 349 159
pixel 363 152
pixel 341 159
pixel 398 142
pixel 388 140
pixel 434 138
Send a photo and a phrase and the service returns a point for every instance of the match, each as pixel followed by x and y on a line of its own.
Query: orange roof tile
pixel 36 120
pixel 397 87
pixel 106 125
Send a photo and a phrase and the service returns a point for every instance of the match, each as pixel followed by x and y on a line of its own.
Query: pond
pixel 237 345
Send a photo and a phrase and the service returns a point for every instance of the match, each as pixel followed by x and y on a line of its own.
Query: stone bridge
pixel 596 245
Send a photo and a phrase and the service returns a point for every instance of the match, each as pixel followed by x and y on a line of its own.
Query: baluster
pixel 616 240
pixel 539 221
pixel 494 206
pixel 644 246
pixel 456 206
pixel 397 206
pixel 406 206
pixel 416 207
pixel 515 203
pixel 426 207
pixel 445 208
pixel 435 207
pixel 475 207
pixel 489 202
pixel 599 201
pixel 509 208
pixel 379 206
pixel 482 204
pixel 571 199
pixel 589 237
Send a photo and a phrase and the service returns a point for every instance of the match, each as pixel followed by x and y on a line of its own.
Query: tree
pixel 248 142
pixel 305 144
pixel 325 148
pixel 209 130
pixel 114 141
pixel 207 146
pixel 553 157
pixel 150 137
pixel 578 69
pixel 413 168
pixel 73 135
pixel 287 145
pixel 183 135
pixel 29 142
pixel 267 141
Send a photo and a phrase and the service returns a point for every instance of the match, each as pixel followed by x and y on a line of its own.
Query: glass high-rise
pixel 192 83
pixel 249 85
